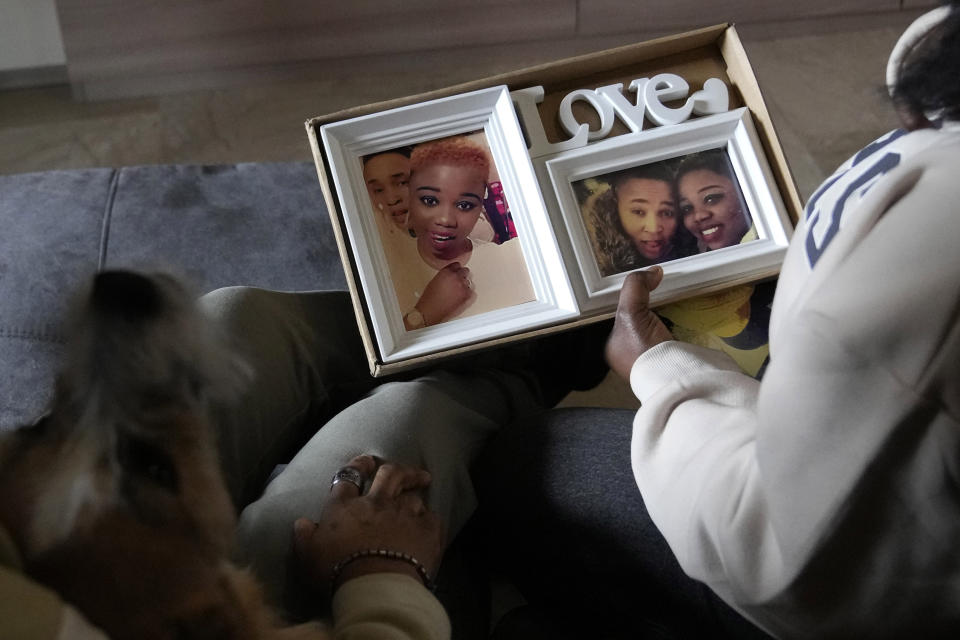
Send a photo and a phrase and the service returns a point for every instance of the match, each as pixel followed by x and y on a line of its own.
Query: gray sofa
pixel 253 224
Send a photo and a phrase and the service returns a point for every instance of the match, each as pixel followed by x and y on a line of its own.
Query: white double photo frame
pixel 550 230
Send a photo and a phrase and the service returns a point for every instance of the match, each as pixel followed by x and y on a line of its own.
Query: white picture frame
pixel 491 112
pixel 702 273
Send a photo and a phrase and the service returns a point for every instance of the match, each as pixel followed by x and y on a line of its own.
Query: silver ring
pixel 348 474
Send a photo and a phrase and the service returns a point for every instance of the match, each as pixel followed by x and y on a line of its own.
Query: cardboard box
pixel 712 52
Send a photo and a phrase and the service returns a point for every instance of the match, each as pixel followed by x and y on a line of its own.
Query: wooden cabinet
pixel 128 47
pixel 606 16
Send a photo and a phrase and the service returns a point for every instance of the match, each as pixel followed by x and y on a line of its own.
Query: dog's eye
pixel 140 458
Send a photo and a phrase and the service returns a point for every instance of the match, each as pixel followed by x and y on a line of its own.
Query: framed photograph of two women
pixel 463 227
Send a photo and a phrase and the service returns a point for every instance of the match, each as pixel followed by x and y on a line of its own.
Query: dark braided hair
pixel 929 74
pixel 713 160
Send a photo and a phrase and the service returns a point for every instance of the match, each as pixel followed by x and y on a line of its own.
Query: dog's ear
pixel 126 294
pixel 141 338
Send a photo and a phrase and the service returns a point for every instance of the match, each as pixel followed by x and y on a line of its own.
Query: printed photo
pixel 446 230
pixel 662 211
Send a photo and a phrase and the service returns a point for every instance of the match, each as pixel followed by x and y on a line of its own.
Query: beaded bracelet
pixel 389 554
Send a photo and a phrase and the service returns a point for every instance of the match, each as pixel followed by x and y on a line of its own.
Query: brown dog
pixel 115 499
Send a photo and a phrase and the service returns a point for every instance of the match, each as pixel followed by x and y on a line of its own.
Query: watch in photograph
pixel 415 319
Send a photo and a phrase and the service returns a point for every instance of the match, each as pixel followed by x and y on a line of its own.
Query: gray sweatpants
pixel 311 384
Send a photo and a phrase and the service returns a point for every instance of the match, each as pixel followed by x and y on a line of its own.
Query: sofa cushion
pixel 248 224
pixel 52 223
pixel 258 224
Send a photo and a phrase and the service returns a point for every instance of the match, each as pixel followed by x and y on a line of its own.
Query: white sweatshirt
pixel 825 501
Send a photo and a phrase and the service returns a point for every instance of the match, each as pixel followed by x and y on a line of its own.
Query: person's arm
pixel 388 606
pixel 748 480
pixel 31 611
pixel 694 431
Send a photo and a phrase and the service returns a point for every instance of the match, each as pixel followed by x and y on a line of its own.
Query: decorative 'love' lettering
pixel 610 103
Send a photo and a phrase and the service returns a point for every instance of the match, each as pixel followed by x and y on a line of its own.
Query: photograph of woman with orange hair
pixel 445 270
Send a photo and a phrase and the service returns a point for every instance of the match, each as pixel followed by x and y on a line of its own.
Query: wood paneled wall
pixel 606 16
pixel 120 48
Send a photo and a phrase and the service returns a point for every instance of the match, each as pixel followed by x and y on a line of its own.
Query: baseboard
pixel 34 77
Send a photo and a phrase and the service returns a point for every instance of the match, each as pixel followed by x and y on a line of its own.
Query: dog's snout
pixel 125 293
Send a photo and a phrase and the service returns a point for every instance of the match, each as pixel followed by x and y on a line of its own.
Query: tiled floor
pixel 823 82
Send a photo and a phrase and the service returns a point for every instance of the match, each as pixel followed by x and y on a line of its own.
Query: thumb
pixel 635 294
pixel 653 276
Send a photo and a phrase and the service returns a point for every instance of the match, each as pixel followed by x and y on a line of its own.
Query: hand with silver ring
pixel 392 516
pixel 349 474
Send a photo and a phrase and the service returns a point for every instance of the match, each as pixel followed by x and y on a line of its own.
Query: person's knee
pixel 226 304
pixel 433 412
